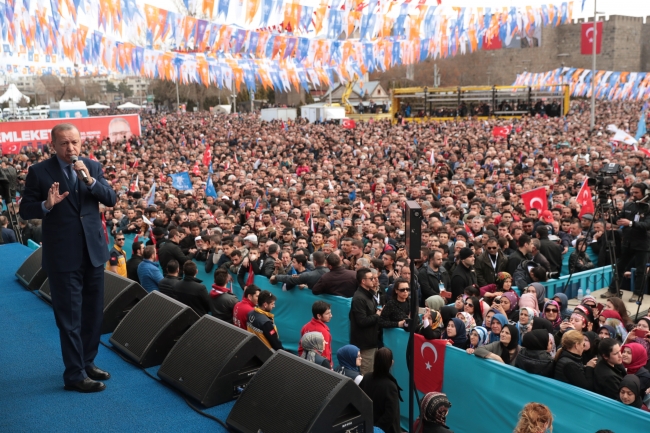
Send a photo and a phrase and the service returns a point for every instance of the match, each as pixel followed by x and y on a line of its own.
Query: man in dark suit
pixel 66 196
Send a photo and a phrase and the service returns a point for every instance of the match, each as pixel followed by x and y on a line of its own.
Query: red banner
pixel 428 364
pixel 587 39
pixel 36 133
pixel 348 124
pixel 584 200
pixel 500 131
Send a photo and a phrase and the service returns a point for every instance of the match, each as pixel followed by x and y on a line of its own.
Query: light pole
pixel 178 101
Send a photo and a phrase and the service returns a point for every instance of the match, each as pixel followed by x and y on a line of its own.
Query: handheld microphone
pixel 84 176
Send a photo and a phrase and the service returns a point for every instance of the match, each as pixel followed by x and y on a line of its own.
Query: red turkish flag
pixel 196 170
pixel 207 156
pixel 587 38
pixel 535 198
pixel 556 166
pixel 501 131
pixel 348 123
pixel 584 200
pixel 128 146
pixel 428 364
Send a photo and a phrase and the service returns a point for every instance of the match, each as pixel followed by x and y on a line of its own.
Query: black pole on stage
pixel 413 234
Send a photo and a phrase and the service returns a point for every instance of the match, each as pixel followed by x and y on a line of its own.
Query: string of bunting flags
pixel 284 44
pixel 610 85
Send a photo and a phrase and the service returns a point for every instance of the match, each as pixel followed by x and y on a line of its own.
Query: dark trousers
pixel 78 303
pixel 631 259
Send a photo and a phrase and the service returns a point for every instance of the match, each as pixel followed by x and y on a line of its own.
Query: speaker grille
pixel 203 361
pixel 30 273
pixel 45 290
pixel 300 401
pixel 113 285
pixel 147 318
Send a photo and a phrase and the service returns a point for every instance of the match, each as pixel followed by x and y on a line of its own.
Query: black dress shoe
pixel 86 385
pixel 97 374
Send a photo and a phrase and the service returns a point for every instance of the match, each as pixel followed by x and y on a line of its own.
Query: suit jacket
pixel 75 223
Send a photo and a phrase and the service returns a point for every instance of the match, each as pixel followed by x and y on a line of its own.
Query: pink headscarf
pixel 529 300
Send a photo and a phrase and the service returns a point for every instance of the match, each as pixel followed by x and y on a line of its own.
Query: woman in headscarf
pixel 540 292
pixel 503 284
pixel 613 319
pixel 525 323
pixel 534 356
pixel 431 326
pixel 629 392
pixel 349 357
pixel 488 317
pixel 478 337
pixel 313 344
pixel 607 331
pixel 634 361
pixel 435 302
pixel 563 302
pixel 642 327
pixel 505 350
pixel 529 300
pixel 578 321
pixel 509 302
pixel 590 351
pixel 383 390
pixel 448 312
pixel 497 324
pixel 551 312
pixel 474 307
pixel 456 333
pixel 433 414
pixel 468 320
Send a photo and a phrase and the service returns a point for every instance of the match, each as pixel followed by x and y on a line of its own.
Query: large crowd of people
pixel 319 207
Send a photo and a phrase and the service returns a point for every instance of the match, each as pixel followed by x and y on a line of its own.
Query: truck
pixel 68 109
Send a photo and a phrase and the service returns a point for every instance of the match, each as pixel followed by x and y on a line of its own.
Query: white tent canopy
pixel 129 106
pixel 98 106
pixel 13 94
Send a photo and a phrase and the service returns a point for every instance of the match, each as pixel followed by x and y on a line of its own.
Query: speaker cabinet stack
pixel 290 394
pixel 120 295
pixel 151 328
pixel 30 274
pixel 213 361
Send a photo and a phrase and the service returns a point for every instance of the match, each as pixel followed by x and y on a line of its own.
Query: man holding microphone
pixel 65 192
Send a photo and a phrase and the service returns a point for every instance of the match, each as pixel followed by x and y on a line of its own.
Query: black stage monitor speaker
pixel 44 290
pixel 213 361
pixel 30 273
pixel 413 230
pixel 290 394
pixel 120 295
pixel 151 328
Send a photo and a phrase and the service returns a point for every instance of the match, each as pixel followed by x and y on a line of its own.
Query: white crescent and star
pixel 435 353
pixel 541 203
pixel 590 30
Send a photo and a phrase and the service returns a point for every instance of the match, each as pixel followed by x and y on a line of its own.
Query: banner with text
pixel 36 133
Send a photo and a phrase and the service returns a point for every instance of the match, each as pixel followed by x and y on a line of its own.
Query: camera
pixel 604 182
pixel 552 275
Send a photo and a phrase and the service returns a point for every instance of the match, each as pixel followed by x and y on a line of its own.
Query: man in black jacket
pixel 490 263
pixel 272 260
pixel 166 285
pixel 339 281
pixel 522 253
pixel 191 292
pixel 464 274
pixel 171 250
pixel 431 275
pixel 137 249
pixel 635 220
pixel 364 320
pixel 221 297
pixel 306 278
pixel 549 249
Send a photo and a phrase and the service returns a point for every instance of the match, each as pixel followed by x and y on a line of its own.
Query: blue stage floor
pixel 32 398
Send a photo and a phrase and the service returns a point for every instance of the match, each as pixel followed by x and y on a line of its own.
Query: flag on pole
pixel 134 185
pixel 585 200
pixel 641 127
pixel 152 195
pixel 209 189
pixel 432 157
pixel 535 198
pixel 207 156
pixel 196 170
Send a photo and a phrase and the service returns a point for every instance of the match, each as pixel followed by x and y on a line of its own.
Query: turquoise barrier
pixel 33 245
pixel 593 279
pixel 487 396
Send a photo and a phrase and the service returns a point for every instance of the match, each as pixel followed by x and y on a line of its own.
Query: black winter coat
pixel 192 293
pixel 535 362
pixel 607 379
pixel 385 395
pixel 462 278
pixel 167 284
pixel 364 320
pixel 485 273
pixel 430 281
pixel 569 369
